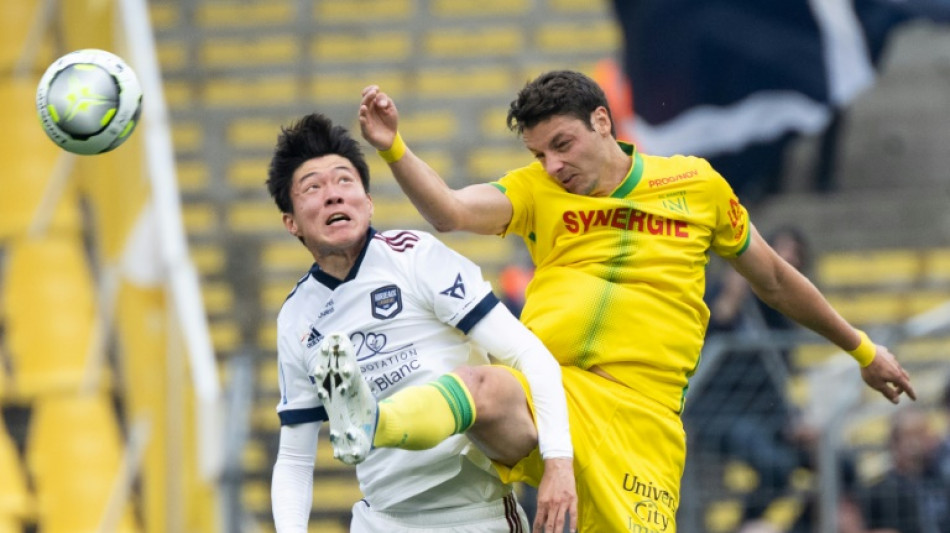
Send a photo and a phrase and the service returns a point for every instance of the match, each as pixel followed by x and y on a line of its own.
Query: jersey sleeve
pixel 452 285
pixel 298 396
pixel 732 232
pixel 516 186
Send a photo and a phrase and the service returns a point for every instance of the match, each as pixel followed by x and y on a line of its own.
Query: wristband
pixel 395 152
pixel 865 351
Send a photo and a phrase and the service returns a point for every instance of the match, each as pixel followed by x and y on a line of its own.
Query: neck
pixel 338 262
pixel 617 169
pixel 336 265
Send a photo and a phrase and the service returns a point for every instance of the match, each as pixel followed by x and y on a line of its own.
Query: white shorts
pixel 501 516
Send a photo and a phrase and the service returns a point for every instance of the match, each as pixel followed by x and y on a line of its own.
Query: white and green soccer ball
pixel 89 101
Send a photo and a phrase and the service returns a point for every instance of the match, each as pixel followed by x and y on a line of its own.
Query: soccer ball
pixel 89 101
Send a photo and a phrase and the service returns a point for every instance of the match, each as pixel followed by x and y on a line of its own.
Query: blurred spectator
pixel 942 455
pixel 909 498
pixel 742 411
pixel 514 280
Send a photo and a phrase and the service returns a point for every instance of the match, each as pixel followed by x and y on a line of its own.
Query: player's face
pixel 576 157
pixel 332 210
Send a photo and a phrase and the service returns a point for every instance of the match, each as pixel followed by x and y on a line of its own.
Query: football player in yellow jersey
pixel 620 242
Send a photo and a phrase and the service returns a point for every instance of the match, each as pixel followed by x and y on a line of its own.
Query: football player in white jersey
pixel 415 316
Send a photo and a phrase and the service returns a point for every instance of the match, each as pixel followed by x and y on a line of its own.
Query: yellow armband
pixel 395 152
pixel 865 351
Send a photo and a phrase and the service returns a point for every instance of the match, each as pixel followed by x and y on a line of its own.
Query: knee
pixel 491 389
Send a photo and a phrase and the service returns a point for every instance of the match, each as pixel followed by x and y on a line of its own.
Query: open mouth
pixel 338 217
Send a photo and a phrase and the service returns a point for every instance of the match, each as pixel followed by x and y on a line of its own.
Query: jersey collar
pixel 633 177
pixel 331 282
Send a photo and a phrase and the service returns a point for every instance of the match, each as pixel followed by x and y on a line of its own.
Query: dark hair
pixel 559 92
pixel 312 136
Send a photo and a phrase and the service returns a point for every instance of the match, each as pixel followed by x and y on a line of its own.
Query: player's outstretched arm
pixel 292 480
pixel 786 289
pixel 477 208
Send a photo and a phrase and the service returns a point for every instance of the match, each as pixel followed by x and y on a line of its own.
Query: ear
pixel 371 209
pixel 600 120
pixel 290 224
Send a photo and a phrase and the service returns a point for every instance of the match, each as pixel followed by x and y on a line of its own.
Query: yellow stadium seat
pixel 328 525
pixel 739 477
pixel 363 11
pixel 493 163
pixel 425 126
pixel 484 251
pixel 286 255
pixel 497 41
pixel 936 265
pixel 871 307
pixel 218 297
pixel 869 268
pixel 164 15
pixel 254 457
pixel 253 92
pixel 208 259
pixel 242 14
pixel 478 8
pixel 602 37
pixel 461 83
pixel 348 47
pixel 255 217
pixel 335 87
pixel 49 341
pixel 573 7
pixel 15 19
pixel 192 175
pixel 225 335
pixel 255 496
pixel 199 218
pixel 29 158
pixel 274 294
pixel 392 212
pixel 74 452
pixel 172 55
pixel 187 136
pixel 335 493
pixel 267 336
pixel 233 52
pixel 722 516
pixel 250 173
pixel 253 133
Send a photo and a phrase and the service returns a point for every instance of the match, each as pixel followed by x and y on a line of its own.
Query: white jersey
pixel 437 296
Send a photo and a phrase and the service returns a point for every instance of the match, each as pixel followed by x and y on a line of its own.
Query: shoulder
pixel 531 175
pixel 402 241
pixel 295 298
pixel 677 170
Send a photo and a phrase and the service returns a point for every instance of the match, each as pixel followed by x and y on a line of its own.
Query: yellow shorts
pixel 629 453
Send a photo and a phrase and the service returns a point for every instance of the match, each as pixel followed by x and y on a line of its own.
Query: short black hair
pixel 312 136
pixel 559 92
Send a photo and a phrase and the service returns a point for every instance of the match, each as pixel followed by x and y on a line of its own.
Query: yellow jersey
pixel 619 280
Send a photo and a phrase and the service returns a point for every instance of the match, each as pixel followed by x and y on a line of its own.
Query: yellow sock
pixel 418 418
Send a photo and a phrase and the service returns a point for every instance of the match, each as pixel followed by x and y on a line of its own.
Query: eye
pixel 563 146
